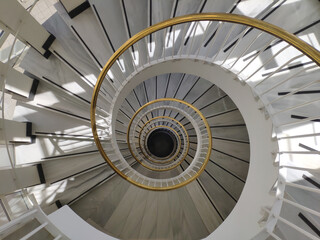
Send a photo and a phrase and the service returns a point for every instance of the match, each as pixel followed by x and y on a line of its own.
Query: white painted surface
pixel 85 25
pixel 262 174
pixel 71 5
pixel 16 82
pixel 25 176
pixel 12 14
pixel 75 227
pixel 13 131
pixel 71 50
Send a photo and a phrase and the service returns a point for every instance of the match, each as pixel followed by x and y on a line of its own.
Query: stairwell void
pixel 154 119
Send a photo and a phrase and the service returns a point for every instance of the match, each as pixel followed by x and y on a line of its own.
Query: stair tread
pixel 206 211
pixel 57 72
pixel 110 192
pixel 69 48
pixel 85 25
pixel 134 219
pixel 232 184
pixel 148 228
pixel 118 218
pixel 165 223
pixel 195 224
pixel 233 165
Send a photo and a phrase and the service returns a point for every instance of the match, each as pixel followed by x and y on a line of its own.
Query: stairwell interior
pixel 248 147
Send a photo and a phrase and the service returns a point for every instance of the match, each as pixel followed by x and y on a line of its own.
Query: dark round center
pixel 160 143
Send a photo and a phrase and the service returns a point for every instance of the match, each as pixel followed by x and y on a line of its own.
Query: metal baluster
pixel 236 44
pixel 220 25
pixel 173 39
pixel 246 49
pixel 265 63
pixel 224 42
pixel 148 57
pixel 203 38
pixel 164 44
pixel 297 106
pixel 287 79
pixel 278 69
pixel 257 55
pixel 293 92
pixel 299 136
pixel 192 39
pixel 300 121
pixel 182 39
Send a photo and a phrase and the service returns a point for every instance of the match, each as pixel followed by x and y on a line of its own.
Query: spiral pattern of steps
pixel 176 81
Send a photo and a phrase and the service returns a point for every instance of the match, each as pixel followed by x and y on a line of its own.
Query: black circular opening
pixel 160 143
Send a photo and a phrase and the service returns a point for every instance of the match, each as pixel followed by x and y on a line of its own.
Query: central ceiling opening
pixel 160 143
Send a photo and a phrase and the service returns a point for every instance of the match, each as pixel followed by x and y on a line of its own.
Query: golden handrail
pixel 182 102
pixel 278 32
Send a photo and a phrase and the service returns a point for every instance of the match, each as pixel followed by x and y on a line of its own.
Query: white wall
pixel 245 217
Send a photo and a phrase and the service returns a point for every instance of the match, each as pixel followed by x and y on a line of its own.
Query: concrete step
pixel 93 205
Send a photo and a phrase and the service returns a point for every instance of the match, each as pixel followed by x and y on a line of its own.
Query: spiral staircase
pixel 150 119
